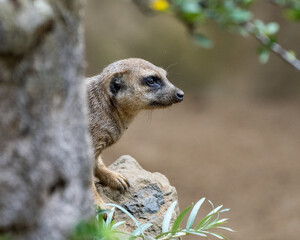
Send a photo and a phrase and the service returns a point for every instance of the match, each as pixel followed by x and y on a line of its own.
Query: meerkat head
pixel 135 84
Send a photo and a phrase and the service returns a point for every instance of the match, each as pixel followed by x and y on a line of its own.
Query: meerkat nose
pixel 180 95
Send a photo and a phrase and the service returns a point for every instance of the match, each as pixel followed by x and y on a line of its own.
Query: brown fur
pixel 115 97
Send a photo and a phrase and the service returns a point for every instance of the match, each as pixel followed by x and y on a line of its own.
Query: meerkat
pixel 115 97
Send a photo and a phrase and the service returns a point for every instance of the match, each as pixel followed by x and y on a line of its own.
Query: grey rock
pixel 45 153
pixel 147 199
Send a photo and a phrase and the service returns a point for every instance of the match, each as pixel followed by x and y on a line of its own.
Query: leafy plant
pixel 231 15
pixel 5 237
pixel 99 228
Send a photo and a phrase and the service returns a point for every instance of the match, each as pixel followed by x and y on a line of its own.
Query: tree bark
pixel 45 153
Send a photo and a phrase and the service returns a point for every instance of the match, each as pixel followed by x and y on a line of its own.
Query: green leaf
pixel 168 216
pixel 110 216
pixel 194 213
pixel 215 224
pixel 243 32
pixel 260 26
pixel 224 237
pixel 201 40
pixel 292 14
pixel 215 210
pixel 247 2
pixel 229 5
pixel 272 28
pixel 179 219
pixel 140 230
pixel 101 212
pixel 226 228
pixel 5 237
pixel 197 233
pixel 162 234
pixel 86 229
pixel 222 220
pixel 225 210
pixel 117 224
pixel 190 7
pixel 263 55
pixel 204 221
pixel 240 16
pixel 125 211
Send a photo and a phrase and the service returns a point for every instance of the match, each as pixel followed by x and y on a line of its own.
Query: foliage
pixel 234 16
pixel 5 237
pixel 98 228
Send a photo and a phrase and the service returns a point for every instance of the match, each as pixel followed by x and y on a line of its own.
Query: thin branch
pixel 275 47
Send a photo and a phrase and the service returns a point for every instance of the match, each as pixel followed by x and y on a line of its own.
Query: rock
pixel 147 199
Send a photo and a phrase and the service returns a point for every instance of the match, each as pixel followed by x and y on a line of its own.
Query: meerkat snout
pixel 165 96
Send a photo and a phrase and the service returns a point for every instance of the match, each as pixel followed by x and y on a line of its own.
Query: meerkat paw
pixel 115 181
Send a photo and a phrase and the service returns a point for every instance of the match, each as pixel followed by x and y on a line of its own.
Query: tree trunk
pixel 45 153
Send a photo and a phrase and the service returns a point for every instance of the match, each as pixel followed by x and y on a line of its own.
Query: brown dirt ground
pixel 245 155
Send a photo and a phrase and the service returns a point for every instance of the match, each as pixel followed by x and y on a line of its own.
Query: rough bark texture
pixel 45 160
pixel 147 199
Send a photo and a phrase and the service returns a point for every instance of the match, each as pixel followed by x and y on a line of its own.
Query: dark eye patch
pixel 152 81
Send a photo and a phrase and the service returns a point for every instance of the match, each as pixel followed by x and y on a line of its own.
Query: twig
pixel 275 47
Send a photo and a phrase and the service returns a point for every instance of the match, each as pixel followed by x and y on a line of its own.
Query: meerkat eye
pixel 152 81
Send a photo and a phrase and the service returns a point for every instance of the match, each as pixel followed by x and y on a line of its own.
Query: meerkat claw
pixel 123 183
pixel 126 181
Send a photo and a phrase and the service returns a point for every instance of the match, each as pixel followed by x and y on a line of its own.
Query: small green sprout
pixel 99 228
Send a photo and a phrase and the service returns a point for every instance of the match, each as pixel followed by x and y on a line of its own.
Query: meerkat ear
pixel 116 84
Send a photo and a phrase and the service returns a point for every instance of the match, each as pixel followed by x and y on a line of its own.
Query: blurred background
pixel 235 139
